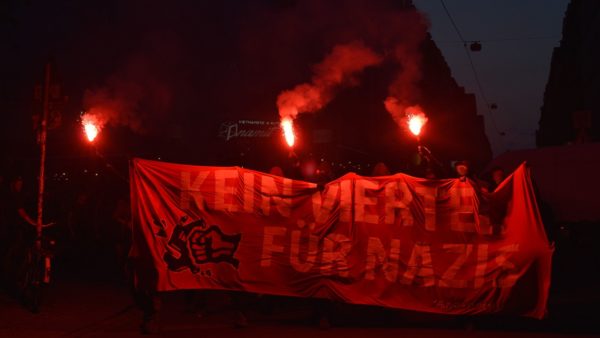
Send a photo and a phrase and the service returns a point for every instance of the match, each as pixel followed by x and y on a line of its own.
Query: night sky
pixel 186 67
pixel 513 64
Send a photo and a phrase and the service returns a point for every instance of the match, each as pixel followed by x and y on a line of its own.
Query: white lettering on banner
pixel 482 258
pixel 448 278
pixel 282 198
pixel 429 197
pixel 222 190
pixel 304 249
pixel 376 256
pixel 506 279
pixel 191 190
pixel 323 204
pixel 462 199
pixel 311 254
pixel 419 265
pixel 269 246
pixel 346 201
pixel 392 203
pixel 333 259
pixel 362 201
pixel 248 192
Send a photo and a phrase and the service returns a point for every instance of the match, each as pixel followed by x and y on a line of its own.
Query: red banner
pixel 397 241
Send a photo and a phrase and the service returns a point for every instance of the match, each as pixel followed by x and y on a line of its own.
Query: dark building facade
pixel 571 109
pixel 457 131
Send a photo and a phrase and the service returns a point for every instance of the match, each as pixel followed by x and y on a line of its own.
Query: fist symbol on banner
pixel 212 245
pixel 193 244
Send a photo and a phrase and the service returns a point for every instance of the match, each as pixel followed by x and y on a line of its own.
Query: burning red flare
pixel 416 121
pixel 90 131
pixel 90 126
pixel 287 124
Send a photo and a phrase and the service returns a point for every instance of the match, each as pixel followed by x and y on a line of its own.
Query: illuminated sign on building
pixel 247 129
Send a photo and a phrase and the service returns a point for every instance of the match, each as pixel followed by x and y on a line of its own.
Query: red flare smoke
pixel 405 91
pixel 337 69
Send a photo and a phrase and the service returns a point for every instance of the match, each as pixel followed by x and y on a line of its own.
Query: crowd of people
pixel 91 224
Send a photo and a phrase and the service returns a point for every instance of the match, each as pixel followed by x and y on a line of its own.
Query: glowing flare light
pixel 91 126
pixel 288 131
pixel 91 131
pixel 416 123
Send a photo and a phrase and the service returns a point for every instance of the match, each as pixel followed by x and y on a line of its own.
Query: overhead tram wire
pixel 475 75
pixel 512 39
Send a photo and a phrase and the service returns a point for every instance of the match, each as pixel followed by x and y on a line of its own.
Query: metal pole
pixel 420 148
pixel 43 133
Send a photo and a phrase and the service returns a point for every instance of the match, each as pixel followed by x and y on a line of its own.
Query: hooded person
pixel 380 169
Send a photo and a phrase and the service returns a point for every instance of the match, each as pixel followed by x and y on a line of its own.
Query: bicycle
pixel 36 273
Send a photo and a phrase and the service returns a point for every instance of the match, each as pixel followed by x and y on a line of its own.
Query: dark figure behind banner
pixel 461 168
pixel 497 176
pixel 380 169
pixel 20 232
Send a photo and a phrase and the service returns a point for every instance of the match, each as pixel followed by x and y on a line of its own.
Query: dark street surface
pixel 84 307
